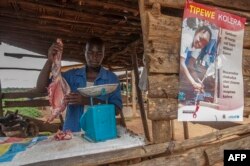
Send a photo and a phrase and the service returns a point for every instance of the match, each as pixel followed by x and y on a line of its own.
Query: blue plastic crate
pixel 99 123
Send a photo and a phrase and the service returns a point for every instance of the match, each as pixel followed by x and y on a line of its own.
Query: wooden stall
pixel 132 29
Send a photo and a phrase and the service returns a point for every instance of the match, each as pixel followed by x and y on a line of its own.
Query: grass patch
pixel 27 111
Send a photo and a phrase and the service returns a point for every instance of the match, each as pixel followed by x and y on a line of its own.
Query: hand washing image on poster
pixel 211 82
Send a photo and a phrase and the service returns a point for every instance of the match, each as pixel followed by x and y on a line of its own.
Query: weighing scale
pixel 98 121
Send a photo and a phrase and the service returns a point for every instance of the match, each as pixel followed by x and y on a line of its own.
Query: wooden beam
pixel 23 95
pixel 117 7
pixel 133 93
pixel 18 68
pixel 163 86
pixel 198 156
pixel 127 99
pixel 161 106
pixel 69 13
pixel 161 131
pixel 139 94
pixel 238 5
pixel 105 5
pixel 215 154
pixel 1 101
pixel 70 56
pixel 19 56
pixel 53 32
pixel 126 50
pixel 67 44
pixel 30 103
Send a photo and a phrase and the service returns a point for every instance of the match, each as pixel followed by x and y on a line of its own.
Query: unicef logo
pixel 234 117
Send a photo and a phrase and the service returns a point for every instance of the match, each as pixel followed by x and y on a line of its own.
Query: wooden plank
pixel 216 154
pixel 167 86
pixel 246 61
pixel 139 94
pixel 68 14
pixel 188 158
pixel 179 4
pixel 246 40
pixel 144 21
pixel 161 131
pixel 18 68
pixel 163 115
pixel 163 26
pixel 127 99
pixel 161 107
pixel 133 94
pixel 111 6
pixel 163 86
pixel 1 101
pixel 163 63
pixel 16 55
pixel 30 103
pixel 166 109
pixel 94 7
pixel 149 150
pixel 23 95
pixel 197 156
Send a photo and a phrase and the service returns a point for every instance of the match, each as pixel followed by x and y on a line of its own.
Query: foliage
pixel 27 111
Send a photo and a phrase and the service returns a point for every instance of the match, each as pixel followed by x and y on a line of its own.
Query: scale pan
pixel 97 90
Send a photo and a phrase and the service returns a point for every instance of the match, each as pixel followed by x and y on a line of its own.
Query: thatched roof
pixel 35 24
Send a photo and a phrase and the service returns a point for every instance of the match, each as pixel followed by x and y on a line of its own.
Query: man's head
pixel 202 37
pixel 94 52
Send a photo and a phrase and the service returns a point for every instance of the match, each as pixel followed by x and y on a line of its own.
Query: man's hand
pixel 76 98
pixel 55 48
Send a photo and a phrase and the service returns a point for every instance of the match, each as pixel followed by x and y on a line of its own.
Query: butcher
pixel 67 83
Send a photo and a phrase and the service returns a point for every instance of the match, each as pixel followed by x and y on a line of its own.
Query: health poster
pixel 211 82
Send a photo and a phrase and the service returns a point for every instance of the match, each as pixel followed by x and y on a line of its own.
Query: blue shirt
pixel 76 78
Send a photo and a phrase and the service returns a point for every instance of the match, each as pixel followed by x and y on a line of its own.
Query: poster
pixel 211 82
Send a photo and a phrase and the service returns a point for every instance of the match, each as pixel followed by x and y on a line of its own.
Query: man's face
pixel 94 55
pixel 201 39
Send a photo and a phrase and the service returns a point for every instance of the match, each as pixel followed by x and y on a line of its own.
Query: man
pixel 92 74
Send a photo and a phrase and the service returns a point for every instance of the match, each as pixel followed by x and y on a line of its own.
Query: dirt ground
pixel 195 128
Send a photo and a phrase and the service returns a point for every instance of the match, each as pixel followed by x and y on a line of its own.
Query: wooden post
pixel 133 93
pixel 161 131
pixel 127 87
pixel 139 94
pixel 173 130
pixel 185 128
pixel 62 122
pixel 1 102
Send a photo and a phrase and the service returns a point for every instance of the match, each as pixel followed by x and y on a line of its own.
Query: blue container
pixel 99 123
